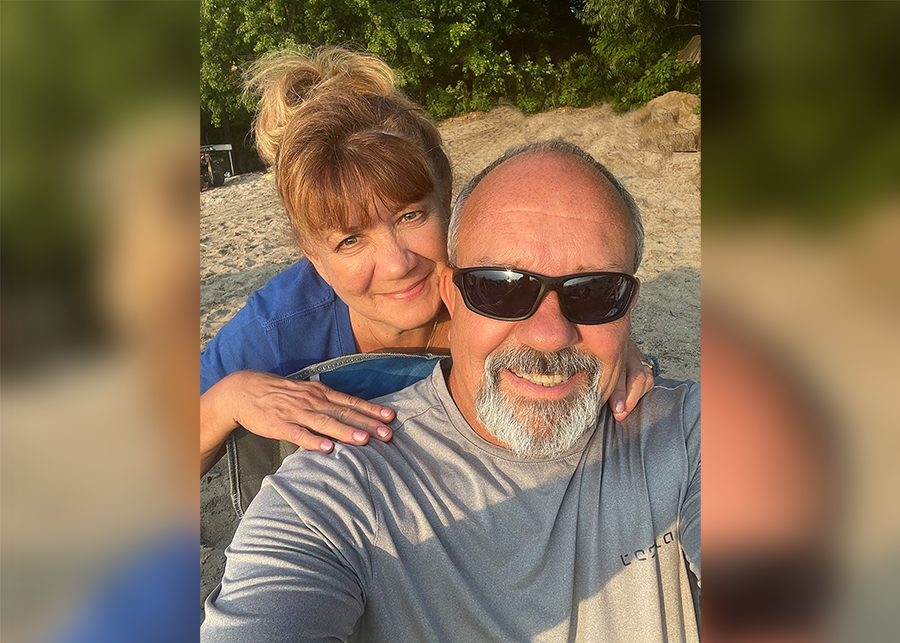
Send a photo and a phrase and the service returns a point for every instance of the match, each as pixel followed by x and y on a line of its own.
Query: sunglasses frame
pixel 548 284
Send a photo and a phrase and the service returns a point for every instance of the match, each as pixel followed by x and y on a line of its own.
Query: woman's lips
pixel 411 292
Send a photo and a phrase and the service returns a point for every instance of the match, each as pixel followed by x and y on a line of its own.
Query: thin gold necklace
pixel 431 337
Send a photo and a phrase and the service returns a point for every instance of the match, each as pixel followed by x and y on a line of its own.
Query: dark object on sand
pixel 210 173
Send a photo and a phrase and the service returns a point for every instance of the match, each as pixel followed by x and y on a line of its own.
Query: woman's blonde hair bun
pixel 343 139
pixel 286 81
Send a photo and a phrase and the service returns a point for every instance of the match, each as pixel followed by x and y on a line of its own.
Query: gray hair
pixel 562 147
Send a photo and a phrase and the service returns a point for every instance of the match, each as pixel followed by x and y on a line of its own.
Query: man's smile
pixel 540 385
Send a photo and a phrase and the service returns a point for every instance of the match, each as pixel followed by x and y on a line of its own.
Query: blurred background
pixel 98 263
pixel 99 210
pixel 801 307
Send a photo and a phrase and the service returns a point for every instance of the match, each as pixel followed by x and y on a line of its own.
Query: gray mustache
pixel 565 362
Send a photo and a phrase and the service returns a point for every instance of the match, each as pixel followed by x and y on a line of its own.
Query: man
pixel 510 506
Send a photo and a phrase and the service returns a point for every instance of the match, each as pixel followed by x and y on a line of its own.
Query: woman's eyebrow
pixel 415 205
pixel 337 235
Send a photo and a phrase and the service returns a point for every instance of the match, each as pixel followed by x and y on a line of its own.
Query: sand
pixel 245 240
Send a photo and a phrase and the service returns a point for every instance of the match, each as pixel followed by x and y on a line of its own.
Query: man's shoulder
pixel 666 390
pixel 412 401
pixel 410 404
pixel 670 403
pixel 305 479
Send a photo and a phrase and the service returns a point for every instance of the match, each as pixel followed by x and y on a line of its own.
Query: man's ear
pixel 317 264
pixel 448 290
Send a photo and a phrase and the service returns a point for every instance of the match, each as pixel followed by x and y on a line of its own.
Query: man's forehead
pixel 535 262
pixel 513 238
pixel 541 185
pixel 541 205
pixel 566 251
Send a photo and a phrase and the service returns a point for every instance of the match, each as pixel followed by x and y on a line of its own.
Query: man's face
pixel 549 214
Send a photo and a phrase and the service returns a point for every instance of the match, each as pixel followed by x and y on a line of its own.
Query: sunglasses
pixel 513 295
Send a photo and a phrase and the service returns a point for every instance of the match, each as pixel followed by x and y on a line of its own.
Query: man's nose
pixel 395 259
pixel 547 329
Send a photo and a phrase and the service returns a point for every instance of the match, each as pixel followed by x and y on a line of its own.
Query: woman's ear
pixel 448 290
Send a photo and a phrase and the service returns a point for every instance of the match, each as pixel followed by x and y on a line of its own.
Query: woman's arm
pixel 305 413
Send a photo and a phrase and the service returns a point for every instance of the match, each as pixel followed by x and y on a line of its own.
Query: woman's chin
pixel 424 315
pixel 412 312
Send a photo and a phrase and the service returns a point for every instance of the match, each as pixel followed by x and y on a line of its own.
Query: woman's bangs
pixel 371 170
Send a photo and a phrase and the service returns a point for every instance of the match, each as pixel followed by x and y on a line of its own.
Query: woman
pixel 366 185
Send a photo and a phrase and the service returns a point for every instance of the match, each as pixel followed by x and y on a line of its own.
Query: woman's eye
pixel 348 242
pixel 412 216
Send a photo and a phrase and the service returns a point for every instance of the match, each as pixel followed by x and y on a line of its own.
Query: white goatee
pixel 536 428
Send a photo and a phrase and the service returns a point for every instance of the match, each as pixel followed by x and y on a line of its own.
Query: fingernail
pixel 383 431
pixel 326 445
pixel 620 407
pixel 385 413
pixel 359 436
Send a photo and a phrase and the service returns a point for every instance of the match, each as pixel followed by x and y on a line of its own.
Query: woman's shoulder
pixel 293 321
pixel 295 290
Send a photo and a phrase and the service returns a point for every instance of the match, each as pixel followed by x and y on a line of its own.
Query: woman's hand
pixel 305 413
pixel 635 380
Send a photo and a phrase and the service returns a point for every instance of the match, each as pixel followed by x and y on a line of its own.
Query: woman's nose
pixel 395 259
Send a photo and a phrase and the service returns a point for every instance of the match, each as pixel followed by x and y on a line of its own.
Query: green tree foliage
pixel 636 43
pixel 452 56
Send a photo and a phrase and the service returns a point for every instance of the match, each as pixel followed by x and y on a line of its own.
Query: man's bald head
pixel 564 148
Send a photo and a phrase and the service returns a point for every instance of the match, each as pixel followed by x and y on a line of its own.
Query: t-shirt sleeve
pixel 240 345
pixel 298 568
pixel 690 508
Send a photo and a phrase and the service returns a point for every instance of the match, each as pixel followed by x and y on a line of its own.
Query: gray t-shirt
pixel 439 535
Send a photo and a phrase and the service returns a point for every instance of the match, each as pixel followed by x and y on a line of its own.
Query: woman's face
pixel 389 271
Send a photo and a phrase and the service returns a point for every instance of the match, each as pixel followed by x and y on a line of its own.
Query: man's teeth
pixel 543 380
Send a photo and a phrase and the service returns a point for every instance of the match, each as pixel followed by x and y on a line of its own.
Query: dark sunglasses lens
pixel 596 299
pixel 501 293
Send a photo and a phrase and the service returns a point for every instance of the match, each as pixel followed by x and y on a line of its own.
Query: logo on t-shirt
pixel 649 553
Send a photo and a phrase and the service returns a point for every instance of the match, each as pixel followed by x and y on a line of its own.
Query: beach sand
pixel 245 240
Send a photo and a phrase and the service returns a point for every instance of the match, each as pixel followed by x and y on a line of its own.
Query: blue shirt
pixel 295 320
